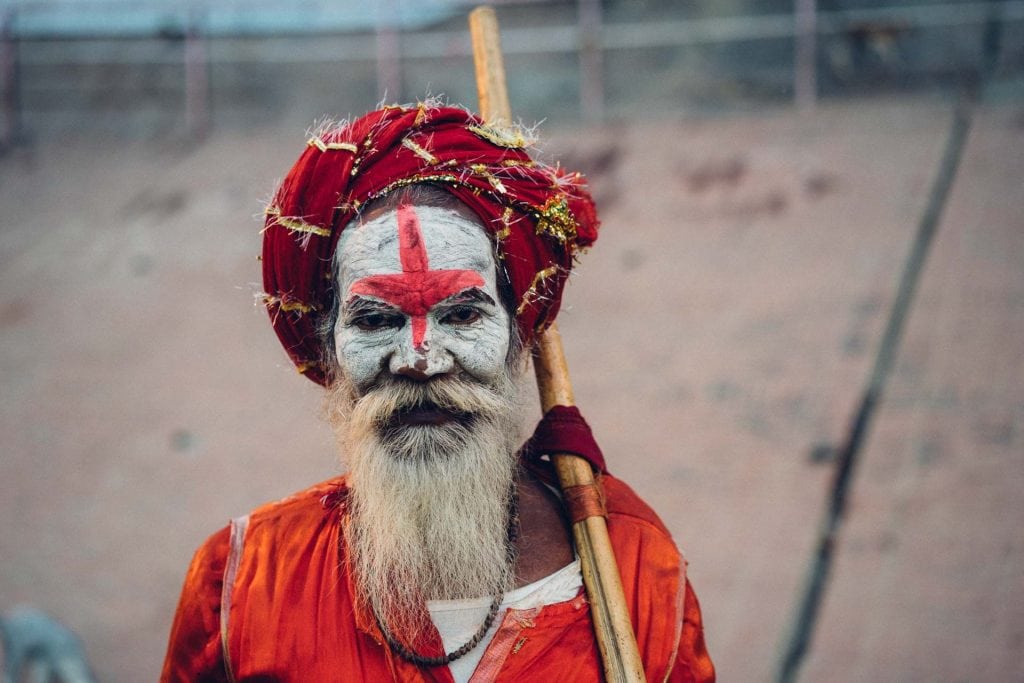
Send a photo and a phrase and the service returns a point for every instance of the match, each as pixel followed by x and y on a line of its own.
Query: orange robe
pixel 291 615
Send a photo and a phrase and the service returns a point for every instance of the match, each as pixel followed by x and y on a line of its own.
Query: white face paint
pixel 419 298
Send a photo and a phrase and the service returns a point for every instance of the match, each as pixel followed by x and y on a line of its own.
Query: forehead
pixel 449 240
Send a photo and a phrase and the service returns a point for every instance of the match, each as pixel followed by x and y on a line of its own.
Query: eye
pixel 460 315
pixel 376 320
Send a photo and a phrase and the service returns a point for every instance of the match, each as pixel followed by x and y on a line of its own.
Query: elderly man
pixel 410 259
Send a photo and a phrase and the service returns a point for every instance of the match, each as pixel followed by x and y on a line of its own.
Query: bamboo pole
pixel 612 625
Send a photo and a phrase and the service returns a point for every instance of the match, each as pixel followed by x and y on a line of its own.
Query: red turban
pixel 537 216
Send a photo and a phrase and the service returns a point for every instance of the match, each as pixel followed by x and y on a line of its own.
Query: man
pixel 410 259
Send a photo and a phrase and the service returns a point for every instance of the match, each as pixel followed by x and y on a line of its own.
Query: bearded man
pixel 411 257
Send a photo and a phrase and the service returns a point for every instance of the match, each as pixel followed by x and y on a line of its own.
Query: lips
pixel 429 415
pixel 424 416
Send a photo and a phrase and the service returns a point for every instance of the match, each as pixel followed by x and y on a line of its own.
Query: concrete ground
pixel 720 335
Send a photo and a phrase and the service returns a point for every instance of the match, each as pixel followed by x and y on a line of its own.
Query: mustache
pixel 462 406
pixel 465 399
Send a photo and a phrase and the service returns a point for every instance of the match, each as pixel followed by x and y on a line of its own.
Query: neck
pixel 544 544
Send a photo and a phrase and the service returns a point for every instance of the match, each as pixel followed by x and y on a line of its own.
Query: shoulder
pixel 276 531
pixel 632 524
pixel 642 543
pixel 310 502
pixel 307 509
pixel 625 506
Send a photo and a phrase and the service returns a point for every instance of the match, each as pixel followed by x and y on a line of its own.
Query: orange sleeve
pixel 693 664
pixel 194 650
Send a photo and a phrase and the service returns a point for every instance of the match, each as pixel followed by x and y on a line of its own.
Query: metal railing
pixel 591 38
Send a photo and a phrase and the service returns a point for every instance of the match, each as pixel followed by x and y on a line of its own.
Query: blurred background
pixel 800 337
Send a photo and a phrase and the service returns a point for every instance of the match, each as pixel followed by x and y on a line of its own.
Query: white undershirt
pixel 458 620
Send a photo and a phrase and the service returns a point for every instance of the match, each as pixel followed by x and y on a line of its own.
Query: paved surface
pixel 930 569
pixel 719 335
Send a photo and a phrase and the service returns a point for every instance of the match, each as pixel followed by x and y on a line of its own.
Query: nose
pixel 421 361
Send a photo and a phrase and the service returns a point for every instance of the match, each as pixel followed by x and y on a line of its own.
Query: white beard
pixel 429 505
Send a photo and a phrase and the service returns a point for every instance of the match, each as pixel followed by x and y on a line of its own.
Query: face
pixel 419 298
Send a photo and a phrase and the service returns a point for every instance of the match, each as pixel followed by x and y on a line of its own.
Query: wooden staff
pixel 612 625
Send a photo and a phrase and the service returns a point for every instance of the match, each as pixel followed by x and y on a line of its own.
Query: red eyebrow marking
pixel 416 289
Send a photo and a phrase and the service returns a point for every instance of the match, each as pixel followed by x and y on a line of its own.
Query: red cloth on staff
pixel 293 617
pixel 563 430
pixel 538 216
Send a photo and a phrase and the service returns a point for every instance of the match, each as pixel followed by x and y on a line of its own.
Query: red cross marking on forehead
pixel 416 289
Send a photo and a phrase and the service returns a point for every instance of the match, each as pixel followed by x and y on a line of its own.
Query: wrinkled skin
pixel 419 298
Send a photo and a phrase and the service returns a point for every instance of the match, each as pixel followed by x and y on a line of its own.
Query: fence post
pixel 389 46
pixel 591 62
pixel 197 80
pixel 10 128
pixel 805 77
